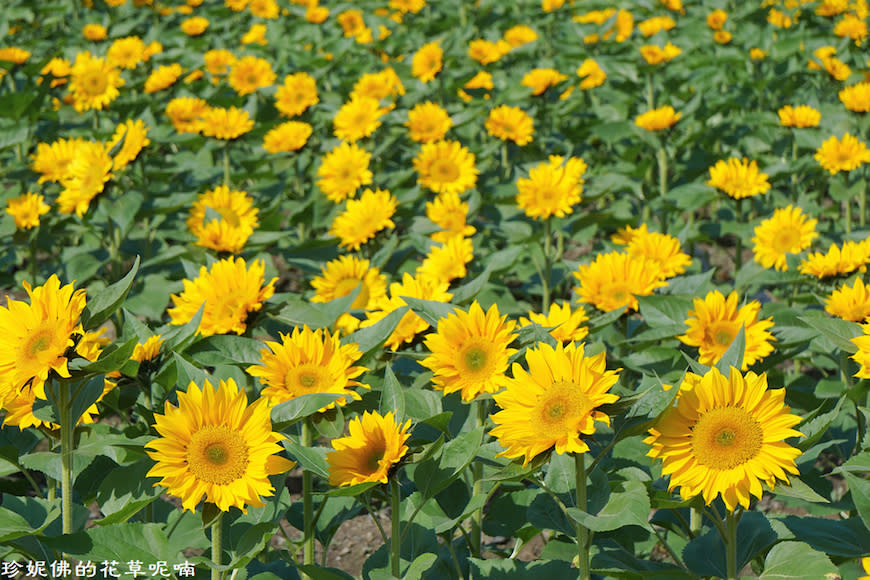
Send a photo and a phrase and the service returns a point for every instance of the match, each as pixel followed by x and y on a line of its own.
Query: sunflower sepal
pixel 105 303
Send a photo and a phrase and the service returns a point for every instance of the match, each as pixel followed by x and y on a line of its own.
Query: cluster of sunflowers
pixel 535 269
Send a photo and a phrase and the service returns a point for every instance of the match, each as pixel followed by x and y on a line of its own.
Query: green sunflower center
pixel 726 437
pixel 373 463
pixel 217 454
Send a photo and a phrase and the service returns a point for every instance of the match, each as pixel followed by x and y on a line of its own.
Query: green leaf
pixel 629 507
pixel 501 569
pixel 840 332
pixel 122 542
pixel 110 359
pixel 799 490
pixel 101 306
pixel 664 310
pixel 372 338
pixel 314 315
pixel 796 561
pixel 125 491
pixel 180 337
pixel 860 490
pixel 392 396
pixel 419 566
pixel 816 427
pixel 561 473
pixel 188 372
pixel 469 291
pixel 429 310
pixel 81 394
pixel 25 516
pixel 352 490
pixel 605 319
pixel 705 555
pixel 846 538
pixel 311 459
pixel 318 573
pixel 733 357
pixel 226 349
pixel 296 409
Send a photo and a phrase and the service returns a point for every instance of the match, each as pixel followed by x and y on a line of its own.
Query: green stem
pixel 396 534
pixel 548 268
pixel 582 532
pixel 650 95
pixel 695 521
pixel 481 406
pixel 226 165
pixel 862 205
pixel 663 186
pixel 67 443
pixel 738 256
pixel 307 499
pixel 731 545
pixel 504 160
pixel 51 485
pixel 217 546
pixel 33 266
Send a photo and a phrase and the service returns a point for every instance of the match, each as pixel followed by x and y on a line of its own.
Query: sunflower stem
pixel 738 254
pixel 650 95
pixel 504 160
pixel 307 500
pixel 695 521
pixel 33 268
pixel 51 491
pixel 227 165
pixel 396 533
pixel 217 546
pixel 582 532
pixel 663 186
pixel 731 545
pixel 67 442
pixel 548 268
pixel 482 411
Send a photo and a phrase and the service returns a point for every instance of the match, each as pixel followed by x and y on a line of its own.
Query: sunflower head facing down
pixel 724 437
pixel 214 445
pixel 555 403
pixel 375 445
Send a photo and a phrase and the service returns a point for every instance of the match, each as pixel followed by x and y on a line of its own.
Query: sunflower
pixel 250 73
pixel 298 92
pixel 552 188
pixel 37 335
pixel 654 55
pixel 223 220
pixel 656 24
pixel 364 217
pixel 450 214
pixel 614 279
pixel 52 159
pixel 591 73
pixel 662 249
pixel 448 261
pixel 626 234
pixel 487 52
pixel 738 178
pixel 256 34
pixel 847 154
pixel 446 166
pixel 357 118
pixel 126 52
pixel 406 6
pixel 94 32
pixel 541 79
pixel 227 292
pixel 380 85
pixel 410 325
pixel 852 256
pixel 163 77
pixel 19 408
pixel 850 303
pixel 194 26
pixel 218 61
pixel 343 275
pixel 351 22
pixel 86 178
pixel 788 231
pixel 26 209
pixel 132 136
pixel 714 322
pixel 716 19
pixel 427 62
pixel 428 122
pixel 264 9
pixel 856 97
pixel 148 350
pixel 343 170
pixel 519 35
pixel 316 14
pixel 59 68
pixel 554 403
pixel 214 445
pixel 853 27
pixel 510 124
pixel 375 444
pixel 658 119
pixel 225 124
pixel 185 113
pixel 286 137
pixel 800 117
pixel 93 82
pixel 567 324
pixel 724 437
pixel 469 352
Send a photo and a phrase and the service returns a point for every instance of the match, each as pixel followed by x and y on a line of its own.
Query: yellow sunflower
pixel 14 54
pixel 357 118
pixel 800 117
pixel 446 166
pixel 510 124
pixel 214 445
pixel 93 82
pixel 218 62
pixel 194 26
pixel 26 209
pixel 286 137
pixel 591 73
pixel 59 68
pixel 86 178
pixel 856 97
pixel 850 302
pixel 519 35
pixel 662 249
pixel 185 113
pixel 656 24
pixel 375 444
pixel 449 213
pixel 264 9
pixel 223 220
pixel 163 77
pixel 410 325
pixel 851 26
pixel 654 55
pixel 94 32
pixel 487 52
pixel 250 73
pixel 363 218
pixel 714 322
pixel 298 92
pixel 343 170
pixel 307 362
pixel 351 22
pixel 36 336
pixel 428 122
pixel 469 352
pixel 552 188
pixel 448 261
pixel 148 350
pixel 837 155
pixel 427 62
pixel 52 159
pixel 19 408
pixel 225 124
pixel 227 292
pixel 541 79
pixel 126 52
pixel 724 437
pixel 134 135
pixel 788 231
pixel 554 404
pixel 738 178
pixel 380 85
pixel 343 275
pixel 862 356
pixel 567 323
pixel 852 256
pixel 614 279
pixel 658 119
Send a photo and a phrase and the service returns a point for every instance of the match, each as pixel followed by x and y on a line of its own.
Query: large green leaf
pixel 104 303
pixel 429 310
pixel 297 408
pixel 796 561
pixel 122 542
pixel 840 332
pixel 705 555
pixel 226 349
pixel 25 516
pixel 392 396
pixel 629 507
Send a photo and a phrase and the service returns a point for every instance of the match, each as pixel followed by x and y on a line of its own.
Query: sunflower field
pixel 532 288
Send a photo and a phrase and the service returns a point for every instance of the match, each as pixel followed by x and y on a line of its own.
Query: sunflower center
pixel 477 359
pixel 562 408
pixel 217 454
pixel 785 240
pixel 94 83
pixel 347 285
pixel 722 333
pixel 726 437
pixel 373 463
pixel 619 293
pixel 444 170
pixel 38 343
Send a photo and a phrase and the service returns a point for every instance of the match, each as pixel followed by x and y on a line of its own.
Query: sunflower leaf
pixel 796 561
pixel 840 332
pixel 105 303
pixel 429 310
pixel 296 409
pixel 733 357
pixel 392 395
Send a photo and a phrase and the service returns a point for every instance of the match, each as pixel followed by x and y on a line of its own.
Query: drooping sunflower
pixel 19 408
pixel 226 124
pixel 26 209
pixel 852 256
pixel 235 219
pixel 614 279
pixel 469 352
pixel 428 122
pixel 726 436
pixel 788 231
pixel 163 77
pixel 227 292
pixel 663 249
pixel 214 445
pixel 738 178
pixel 185 113
pixel 567 324
pixel 541 79
pixel 862 356
pixel 449 213
pixel 850 302
pixel 93 82
pixel 552 188
pixel 148 350
pixel 658 119
pixel 343 170
pixel 554 404
pixel 343 275
pixel 800 117
pixel 308 361
pixel 357 118
pixel 844 154
pixel 427 62
pixel 510 124
pixel 714 322
pixel 375 444
pixel 286 137
pixel 134 135
pixel 448 261
pixel 86 178
pixel 446 166
pixel 591 73
pixel 363 218
pixel 37 335
pixel 298 92
pixel 856 98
